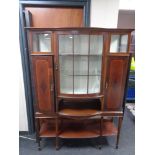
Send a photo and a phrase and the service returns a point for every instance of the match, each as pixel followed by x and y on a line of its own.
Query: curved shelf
pixel 79 129
pixel 79 112
pixel 87 129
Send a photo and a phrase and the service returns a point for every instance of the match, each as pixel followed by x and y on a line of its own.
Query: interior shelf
pixel 77 129
pixel 79 112
pixel 86 129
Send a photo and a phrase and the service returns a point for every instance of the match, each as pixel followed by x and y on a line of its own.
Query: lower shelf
pixel 79 129
pixel 47 130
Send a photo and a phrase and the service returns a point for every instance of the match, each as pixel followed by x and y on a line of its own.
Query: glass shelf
pixel 80 60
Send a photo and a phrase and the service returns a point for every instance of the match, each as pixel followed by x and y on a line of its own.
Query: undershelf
pixel 79 129
pixel 79 112
pixel 47 130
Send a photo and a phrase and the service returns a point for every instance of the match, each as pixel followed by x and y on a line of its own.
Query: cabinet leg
pixel 57 143
pixel 57 133
pixel 39 146
pixel 37 133
pixel 119 129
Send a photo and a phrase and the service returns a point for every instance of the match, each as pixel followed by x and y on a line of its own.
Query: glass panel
pixel 66 74
pixel 119 43
pixel 65 44
pixel 41 42
pixel 96 44
pixel 80 84
pixel 66 84
pixel 80 65
pixel 95 65
pixel 81 44
pixel 94 84
pixel 66 64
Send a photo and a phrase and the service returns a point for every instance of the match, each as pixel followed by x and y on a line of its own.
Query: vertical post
pixel 119 129
pixel 57 139
pixel 102 103
pixel 37 133
pixel 101 126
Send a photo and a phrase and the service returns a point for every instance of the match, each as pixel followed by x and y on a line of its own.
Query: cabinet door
pixel 117 69
pixel 80 61
pixel 42 74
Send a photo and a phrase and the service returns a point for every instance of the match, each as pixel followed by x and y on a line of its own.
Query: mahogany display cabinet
pixel 79 78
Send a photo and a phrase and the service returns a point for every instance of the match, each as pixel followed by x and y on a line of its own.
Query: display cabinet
pixel 79 78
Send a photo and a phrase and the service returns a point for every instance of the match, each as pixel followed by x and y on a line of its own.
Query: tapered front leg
pixel 37 133
pixel 57 133
pixel 119 129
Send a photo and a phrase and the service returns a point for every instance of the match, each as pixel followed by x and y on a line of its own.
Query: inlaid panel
pixel 116 78
pixel 42 72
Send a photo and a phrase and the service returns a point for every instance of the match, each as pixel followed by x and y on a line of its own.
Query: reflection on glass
pixel 80 84
pixel 119 43
pixel 94 84
pixel 41 42
pixel 66 64
pixel 66 83
pixel 95 65
pixel 80 65
pixel 81 44
pixel 65 44
pixel 96 44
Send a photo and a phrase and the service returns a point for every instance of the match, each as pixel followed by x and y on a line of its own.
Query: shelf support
pixel 102 103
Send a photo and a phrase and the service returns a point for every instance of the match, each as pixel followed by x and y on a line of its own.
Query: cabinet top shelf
pixel 80 28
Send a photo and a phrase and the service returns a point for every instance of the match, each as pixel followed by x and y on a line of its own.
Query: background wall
pixel 23 124
pixel 126 19
pixel 104 13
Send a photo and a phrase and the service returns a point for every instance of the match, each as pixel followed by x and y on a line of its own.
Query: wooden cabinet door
pixel 43 82
pixel 116 75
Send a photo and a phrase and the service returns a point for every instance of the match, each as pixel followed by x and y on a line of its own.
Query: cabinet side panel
pixel 116 78
pixel 42 77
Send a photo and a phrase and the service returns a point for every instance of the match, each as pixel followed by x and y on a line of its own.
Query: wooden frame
pixel 91 128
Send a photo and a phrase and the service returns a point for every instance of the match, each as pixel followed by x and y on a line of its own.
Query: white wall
pixel 127 5
pixel 23 125
pixel 104 13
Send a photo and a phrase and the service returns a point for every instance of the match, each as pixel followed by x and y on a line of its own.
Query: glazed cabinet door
pixel 80 60
pixel 116 75
pixel 43 82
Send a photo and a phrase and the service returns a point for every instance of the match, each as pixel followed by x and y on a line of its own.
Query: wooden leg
pixel 100 138
pixel 37 133
pixel 57 138
pixel 119 129
pixel 101 126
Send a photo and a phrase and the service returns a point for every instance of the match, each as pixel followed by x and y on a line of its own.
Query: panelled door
pixel 116 75
pixel 42 68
